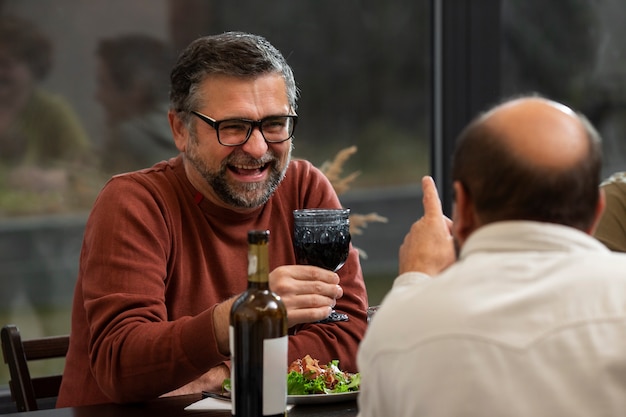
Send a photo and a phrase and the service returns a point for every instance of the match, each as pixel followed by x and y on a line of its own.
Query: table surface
pixel 175 406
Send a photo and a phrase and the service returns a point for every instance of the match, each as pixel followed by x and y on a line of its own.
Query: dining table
pixel 175 407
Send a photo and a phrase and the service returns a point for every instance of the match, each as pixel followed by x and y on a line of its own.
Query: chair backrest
pixel 17 353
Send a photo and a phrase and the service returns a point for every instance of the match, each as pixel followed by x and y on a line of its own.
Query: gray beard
pixel 245 195
pixel 239 195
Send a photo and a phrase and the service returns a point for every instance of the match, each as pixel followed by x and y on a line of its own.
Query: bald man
pixel 530 320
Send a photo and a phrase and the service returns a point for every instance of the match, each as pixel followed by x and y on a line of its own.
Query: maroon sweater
pixel 155 261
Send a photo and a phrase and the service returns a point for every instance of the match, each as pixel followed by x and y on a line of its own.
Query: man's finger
pixel 431 201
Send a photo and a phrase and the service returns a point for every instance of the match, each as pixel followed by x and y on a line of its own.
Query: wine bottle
pixel 258 340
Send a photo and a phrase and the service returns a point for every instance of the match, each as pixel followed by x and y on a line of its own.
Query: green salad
pixel 306 377
pixel 324 379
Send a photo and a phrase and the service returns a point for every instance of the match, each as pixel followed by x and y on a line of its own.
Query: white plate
pixel 322 398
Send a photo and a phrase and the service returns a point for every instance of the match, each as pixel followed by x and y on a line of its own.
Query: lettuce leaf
pixel 300 384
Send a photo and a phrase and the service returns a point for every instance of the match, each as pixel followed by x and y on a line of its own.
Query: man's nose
pixel 256 146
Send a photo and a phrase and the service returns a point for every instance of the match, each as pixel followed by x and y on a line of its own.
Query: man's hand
pixel 429 246
pixel 210 381
pixel 309 292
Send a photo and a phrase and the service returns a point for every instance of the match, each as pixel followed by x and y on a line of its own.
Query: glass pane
pixel 571 51
pixel 362 68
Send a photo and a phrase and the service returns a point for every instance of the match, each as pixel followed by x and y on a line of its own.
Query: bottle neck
pixel 258 265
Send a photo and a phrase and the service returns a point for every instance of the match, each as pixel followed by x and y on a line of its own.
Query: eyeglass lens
pixel 273 129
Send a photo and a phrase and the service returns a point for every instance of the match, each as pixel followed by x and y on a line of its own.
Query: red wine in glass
pixel 321 237
pixel 330 255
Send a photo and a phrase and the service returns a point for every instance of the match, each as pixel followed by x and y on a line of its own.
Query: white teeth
pixel 248 166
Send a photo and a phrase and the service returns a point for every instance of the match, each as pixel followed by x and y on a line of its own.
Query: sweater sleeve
pixel 134 341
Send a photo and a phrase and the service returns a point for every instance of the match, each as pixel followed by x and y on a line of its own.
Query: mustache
pixel 242 158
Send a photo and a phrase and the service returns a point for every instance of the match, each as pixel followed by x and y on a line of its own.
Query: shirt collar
pixel 522 235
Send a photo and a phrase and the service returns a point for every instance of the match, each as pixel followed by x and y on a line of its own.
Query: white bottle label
pixel 231 344
pixel 275 375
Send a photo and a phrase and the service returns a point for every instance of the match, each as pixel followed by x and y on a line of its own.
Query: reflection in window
pixel 571 51
pixel 42 141
pixel 132 77
pixel 362 68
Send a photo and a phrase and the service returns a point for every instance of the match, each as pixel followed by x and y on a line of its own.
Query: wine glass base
pixel 334 316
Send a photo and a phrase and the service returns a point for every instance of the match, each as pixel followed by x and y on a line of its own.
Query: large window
pixel 362 68
pixel 571 51
pixel 364 71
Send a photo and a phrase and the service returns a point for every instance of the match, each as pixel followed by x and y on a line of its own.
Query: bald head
pixel 530 159
pixel 541 131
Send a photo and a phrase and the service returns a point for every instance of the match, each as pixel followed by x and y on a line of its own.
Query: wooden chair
pixel 17 353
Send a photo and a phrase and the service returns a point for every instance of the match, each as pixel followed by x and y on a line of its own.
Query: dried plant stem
pixel 360 221
pixel 333 170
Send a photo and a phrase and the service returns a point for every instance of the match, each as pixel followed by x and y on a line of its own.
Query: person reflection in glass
pixel 40 135
pixel 132 87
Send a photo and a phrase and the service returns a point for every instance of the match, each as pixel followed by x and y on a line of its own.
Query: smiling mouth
pixel 248 170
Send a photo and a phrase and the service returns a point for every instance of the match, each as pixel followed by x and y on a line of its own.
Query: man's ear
pixel 599 211
pixel 179 130
pixel 464 216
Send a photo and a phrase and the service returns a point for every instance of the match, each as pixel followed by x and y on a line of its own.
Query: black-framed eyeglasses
pixel 236 132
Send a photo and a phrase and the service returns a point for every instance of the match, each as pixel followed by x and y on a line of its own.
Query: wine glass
pixel 321 237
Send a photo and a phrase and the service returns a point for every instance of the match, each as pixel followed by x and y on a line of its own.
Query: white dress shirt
pixel 531 321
